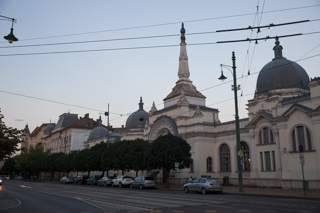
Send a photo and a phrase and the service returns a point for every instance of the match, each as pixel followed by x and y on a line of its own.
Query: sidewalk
pixel 256 191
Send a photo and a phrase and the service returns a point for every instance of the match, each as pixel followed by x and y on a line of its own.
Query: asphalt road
pixel 23 196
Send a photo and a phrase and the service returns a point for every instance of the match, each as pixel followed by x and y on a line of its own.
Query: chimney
pixel 86 115
pixel 122 126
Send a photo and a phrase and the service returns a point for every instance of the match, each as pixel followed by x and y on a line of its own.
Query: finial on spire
pixel 141 104
pixel 277 49
pixel 183 31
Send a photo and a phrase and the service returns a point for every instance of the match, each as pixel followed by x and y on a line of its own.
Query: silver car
pixel 143 182
pixel 203 185
pixel 104 181
pixel 66 179
pixel 121 180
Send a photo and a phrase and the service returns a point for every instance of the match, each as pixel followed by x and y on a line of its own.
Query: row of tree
pixel 137 155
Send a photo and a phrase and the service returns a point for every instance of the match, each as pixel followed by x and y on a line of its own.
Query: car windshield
pixel 211 180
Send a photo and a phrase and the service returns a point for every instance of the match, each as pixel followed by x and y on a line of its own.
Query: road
pixel 23 196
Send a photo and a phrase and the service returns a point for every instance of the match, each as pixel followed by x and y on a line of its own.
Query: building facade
pixel 284 114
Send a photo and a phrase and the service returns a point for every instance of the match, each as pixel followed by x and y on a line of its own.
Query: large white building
pixel 283 114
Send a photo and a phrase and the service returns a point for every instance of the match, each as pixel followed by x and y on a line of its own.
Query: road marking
pixel 155 211
pixel 91 203
pixel 18 204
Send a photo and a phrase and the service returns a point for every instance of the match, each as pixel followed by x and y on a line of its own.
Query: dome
pixel 137 119
pixel 281 73
pixel 98 132
pixel 48 129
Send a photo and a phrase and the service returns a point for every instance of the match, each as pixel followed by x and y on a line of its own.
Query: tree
pixel 9 167
pixel 137 153
pixel 165 151
pixel 9 139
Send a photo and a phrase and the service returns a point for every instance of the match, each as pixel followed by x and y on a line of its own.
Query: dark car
pixel 81 179
pixel 104 181
pixel 93 180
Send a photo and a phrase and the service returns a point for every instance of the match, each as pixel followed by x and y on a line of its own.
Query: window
pixel 225 158
pixel 265 136
pixel 261 160
pixel 268 161
pixel 246 156
pixel 209 164
pixel 274 161
pixel 191 166
pixel 301 136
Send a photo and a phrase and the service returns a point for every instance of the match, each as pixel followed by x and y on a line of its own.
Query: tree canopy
pixel 9 139
pixel 165 151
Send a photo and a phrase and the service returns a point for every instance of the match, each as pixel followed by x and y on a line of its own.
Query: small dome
pixel 281 73
pixel 48 129
pixel 98 132
pixel 137 119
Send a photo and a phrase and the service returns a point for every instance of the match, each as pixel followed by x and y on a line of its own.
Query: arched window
pixel 301 136
pixel 265 136
pixel 225 158
pixel 209 164
pixel 246 156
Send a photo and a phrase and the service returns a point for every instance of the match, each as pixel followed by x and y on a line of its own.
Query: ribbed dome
pixel 98 132
pixel 137 119
pixel 281 73
pixel 48 129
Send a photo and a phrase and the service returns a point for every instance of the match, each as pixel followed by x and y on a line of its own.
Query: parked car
pixel 93 180
pixel 66 179
pixel 203 185
pixel 143 182
pixel 81 179
pixel 18 177
pixel 104 181
pixel 121 180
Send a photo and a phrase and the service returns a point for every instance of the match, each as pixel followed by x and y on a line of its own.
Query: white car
pixel 121 180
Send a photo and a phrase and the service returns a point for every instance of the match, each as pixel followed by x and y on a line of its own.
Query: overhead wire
pixel 169 23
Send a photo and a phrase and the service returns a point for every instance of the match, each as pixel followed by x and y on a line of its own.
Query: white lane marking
pixel 90 203
pixel 19 203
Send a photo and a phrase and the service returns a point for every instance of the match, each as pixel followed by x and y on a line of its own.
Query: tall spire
pixel 183 72
pixel 140 104
pixel 277 50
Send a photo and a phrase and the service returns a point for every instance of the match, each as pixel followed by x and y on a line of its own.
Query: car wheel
pixel 120 185
pixel 87 183
pixel 112 184
pixel 140 187
pixel 131 187
pixel 186 189
pixel 105 184
pixel 203 191
pixel 80 183
pixel 92 183
pixel 65 182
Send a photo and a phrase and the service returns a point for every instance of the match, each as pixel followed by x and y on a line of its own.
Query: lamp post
pixel 10 37
pixel 235 88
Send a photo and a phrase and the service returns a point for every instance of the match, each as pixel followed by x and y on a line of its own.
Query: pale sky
pixel 37 88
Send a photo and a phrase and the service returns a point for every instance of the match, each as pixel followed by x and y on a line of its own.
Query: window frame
pixel 266 139
pixel 225 166
pixel 296 138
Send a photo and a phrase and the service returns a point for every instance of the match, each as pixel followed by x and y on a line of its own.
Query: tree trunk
pixel 167 179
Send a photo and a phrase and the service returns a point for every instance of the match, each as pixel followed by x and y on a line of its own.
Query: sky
pixel 125 50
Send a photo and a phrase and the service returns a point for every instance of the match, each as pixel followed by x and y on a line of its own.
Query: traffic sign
pixel 240 153
pixel 301 148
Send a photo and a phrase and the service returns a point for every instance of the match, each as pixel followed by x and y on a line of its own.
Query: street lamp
pixel 10 37
pixel 235 88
